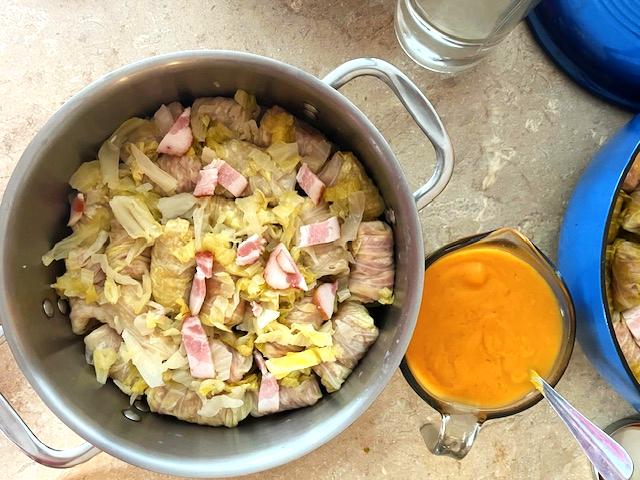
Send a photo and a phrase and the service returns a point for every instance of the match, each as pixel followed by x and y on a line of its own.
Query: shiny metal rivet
pixel 47 307
pixel 63 306
pixel 131 415
pixel 310 111
pixel 141 405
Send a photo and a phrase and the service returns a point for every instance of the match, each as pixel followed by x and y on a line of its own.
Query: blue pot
pixel 581 257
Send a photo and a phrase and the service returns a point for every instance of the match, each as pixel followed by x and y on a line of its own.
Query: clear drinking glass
pixel 451 35
pixel 459 424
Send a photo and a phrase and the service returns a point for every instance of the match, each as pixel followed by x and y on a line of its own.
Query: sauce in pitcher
pixel 487 318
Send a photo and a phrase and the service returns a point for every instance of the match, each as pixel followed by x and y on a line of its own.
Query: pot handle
pixel 19 433
pixel 418 107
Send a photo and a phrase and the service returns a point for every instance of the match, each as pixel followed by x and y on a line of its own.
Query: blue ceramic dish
pixel 581 256
pixel 596 42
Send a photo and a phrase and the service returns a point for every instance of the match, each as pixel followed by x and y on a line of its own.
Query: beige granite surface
pixel 522 133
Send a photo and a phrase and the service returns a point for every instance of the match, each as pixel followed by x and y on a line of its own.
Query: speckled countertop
pixel 522 133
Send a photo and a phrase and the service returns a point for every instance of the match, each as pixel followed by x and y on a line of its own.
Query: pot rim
pixel 214 467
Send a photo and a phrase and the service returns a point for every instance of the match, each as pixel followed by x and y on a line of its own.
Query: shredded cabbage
pixel 282 366
pixel 77 283
pixel 87 177
pixel 284 155
pixel 179 205
pixel 302 335
pixel 135 217
pixel 103 359
pixel 279 126
pixel 149 363
pixel 85 234
pixel 351 179
pixel 109 153
pixel 158 176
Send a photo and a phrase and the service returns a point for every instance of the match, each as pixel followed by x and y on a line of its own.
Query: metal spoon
pixel 608 457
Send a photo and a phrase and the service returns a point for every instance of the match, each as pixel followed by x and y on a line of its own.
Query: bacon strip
pixel 204 261
pixel 319 233
pixel 198 292
pixel 325 299
pixel 207 182
pixel 281 271
pixel 269 393
pixel 230 178
pixel 310 183
pixel 178 140
pixel 77 209
pixel 220 172
pixel 197 346
pixel 249 250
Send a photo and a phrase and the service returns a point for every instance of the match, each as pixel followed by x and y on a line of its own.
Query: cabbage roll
pixel 101 350
pixel 625 274
pixel 127 255
pixel 230 365
pixel 184 169
pixel 170 276
pixel 616 219
pixel 303 392
pixel 628 345
pixel 82 314
pixel 352 178
pixel 226 114
pixel 326 260
pixel 373 274
pixel 633 176
pixel 175 399
pixel 354 332
pixel 313 147
pixel 630 217
pixel 303 311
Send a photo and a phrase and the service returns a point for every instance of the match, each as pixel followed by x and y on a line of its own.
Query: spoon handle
pixel 610 459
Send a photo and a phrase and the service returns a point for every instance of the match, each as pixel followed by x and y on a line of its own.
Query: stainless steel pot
pixel 33 213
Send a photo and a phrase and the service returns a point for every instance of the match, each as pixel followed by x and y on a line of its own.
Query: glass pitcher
pixel 451 35
pixel 460 424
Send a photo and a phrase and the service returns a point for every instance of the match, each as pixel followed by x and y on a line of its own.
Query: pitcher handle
pixel 454 436
pixel 14 428
pixel 418 107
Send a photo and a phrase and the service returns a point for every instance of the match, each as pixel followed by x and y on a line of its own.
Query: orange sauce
pixel 487 318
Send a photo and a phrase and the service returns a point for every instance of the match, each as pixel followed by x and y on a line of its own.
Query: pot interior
pixel 35 210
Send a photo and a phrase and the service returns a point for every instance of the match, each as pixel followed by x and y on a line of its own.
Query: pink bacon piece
pixel 198 292
pixel 204 261
pixel 197 346
pixel 178 139
pixel 310 183
pixel 207 181
pixel 220 172
pixel 249 250
pixel 77 209
pixel 325 299
pixel 319 233
pixel 230 178
pixel 281 271
pixel 269 393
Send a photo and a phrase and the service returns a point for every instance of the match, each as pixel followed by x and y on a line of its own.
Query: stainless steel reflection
pixel 32 216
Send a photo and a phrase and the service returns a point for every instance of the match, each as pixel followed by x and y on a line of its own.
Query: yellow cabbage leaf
pixel 282 366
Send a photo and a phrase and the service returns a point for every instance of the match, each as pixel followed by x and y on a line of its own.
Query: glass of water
pixel 451 35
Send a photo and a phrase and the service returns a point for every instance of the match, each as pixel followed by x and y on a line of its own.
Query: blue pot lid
pixel 596 42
